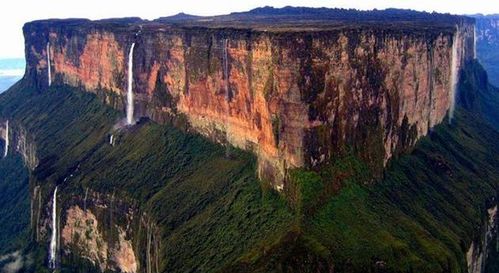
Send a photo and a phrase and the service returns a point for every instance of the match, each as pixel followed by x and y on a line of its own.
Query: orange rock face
pixel 98 66
pixel 296 99
pixel 82 232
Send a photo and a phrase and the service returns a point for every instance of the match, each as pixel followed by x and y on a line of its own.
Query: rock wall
pixel 21 142
pixel 295 98
pixel 107 231
pixel 82 232
pixel 477 254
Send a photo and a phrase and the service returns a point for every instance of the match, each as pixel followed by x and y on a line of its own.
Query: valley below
pixel 274 140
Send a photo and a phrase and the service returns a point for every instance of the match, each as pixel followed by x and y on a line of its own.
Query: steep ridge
pixel 434 211
pixel 487 36
pixel 295 94
pixel 161 198
pixel 123 207
pixel 14 203
pixel 477 95
pixel 154 201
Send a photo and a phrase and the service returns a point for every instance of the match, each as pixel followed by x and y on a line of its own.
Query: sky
pixel 14 13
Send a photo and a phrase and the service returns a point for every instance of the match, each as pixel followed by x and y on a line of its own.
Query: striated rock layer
pixel 109 232
pixel 477 254
pixel 295 97
pixel 21 142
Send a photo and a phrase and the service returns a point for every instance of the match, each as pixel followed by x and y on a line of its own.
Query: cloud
pixel 11 72
pixel 14 14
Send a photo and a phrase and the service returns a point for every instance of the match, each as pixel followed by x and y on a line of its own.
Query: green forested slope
pixel 14 203
pixel 421 217
pixel 210 208
pixel 215 216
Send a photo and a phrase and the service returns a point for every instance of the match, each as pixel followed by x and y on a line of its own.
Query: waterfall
pixel 454 76
pixel 6 151
pixel 474 42
pixel 226 69
pixel 225 60
pixel 148 253
pixel 38 215
pixel 85 200
pixel 48 64
pixel 111 140
pixel 53 239
pixel 129 96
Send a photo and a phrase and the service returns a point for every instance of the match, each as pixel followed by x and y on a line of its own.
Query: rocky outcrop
pixel 21 142
pixel 477 254
pixel 107 231
pixel 26 147
pixel 296 98
pixel 81 232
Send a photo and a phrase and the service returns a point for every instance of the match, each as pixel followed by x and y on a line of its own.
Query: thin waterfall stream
pixel 454 76
pixel 48 65
pixel 6 151
pixel 129 95
pixel 53 239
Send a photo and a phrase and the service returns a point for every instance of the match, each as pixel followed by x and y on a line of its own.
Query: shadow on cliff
pixel 477 96
pixel 208 209
pixel 215 216
pixel 422 216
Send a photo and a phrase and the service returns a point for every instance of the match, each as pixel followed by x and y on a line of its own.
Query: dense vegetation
pixel 420 218
pixel 477 95
pixel 201 198
pixel 14 203
pixel 215 216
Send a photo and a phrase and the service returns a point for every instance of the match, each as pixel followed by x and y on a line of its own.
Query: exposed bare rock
pixel 295 98
pixel 82 233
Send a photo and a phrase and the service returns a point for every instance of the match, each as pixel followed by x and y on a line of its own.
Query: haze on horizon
pixel 15 13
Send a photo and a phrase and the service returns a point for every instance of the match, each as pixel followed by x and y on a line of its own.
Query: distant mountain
pixel 487 30
pixel 180 17
pixel 275 140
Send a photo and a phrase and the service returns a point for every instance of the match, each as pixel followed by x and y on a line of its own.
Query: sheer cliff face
pixel 476 256
pixel 21 142
pixel 109 232
pixel 295 98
